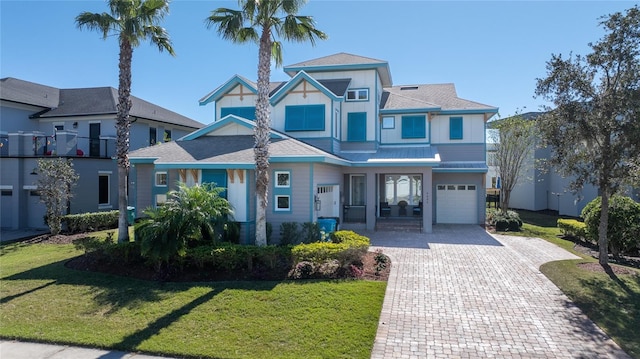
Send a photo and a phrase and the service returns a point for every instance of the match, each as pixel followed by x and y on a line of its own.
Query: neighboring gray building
pixel 38 121
pixel 539 190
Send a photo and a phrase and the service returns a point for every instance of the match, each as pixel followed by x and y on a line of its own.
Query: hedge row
pixel 232 257
pixel 573 228
pixel 89 222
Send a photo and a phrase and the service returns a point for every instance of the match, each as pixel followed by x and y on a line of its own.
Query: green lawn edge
pixel 612 303
pixel 43 301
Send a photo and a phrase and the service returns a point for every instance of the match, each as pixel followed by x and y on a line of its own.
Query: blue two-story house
pixel 345 143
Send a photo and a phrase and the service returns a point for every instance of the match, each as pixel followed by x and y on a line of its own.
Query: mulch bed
pixel 139 270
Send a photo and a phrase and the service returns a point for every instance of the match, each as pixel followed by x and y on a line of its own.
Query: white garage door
pixel 457 203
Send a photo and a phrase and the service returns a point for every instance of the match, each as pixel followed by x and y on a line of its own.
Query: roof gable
pixel 223 89
pixel 298 79
pixel 230 125
pixel 343 62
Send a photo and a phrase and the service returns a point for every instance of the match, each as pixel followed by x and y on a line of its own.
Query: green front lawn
pixel 613 303
pixel 41 300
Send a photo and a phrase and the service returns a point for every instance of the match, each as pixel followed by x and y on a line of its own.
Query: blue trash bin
pixel 327 225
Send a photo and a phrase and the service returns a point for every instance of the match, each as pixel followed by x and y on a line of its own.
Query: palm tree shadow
pixel 135 339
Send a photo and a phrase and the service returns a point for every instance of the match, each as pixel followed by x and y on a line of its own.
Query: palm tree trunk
pixel 122 130
pixel 263 127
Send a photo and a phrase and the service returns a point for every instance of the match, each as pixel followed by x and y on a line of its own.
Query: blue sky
pixel 492 50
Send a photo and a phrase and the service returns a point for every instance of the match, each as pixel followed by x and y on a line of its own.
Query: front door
pixel 329 199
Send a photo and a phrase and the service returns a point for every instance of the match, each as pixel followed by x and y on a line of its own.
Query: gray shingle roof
pixel 337 86
pixel 443 96
pixel 342 61
pixel 103 100
pixel 338 59
pixel 226 149
pixel 29 93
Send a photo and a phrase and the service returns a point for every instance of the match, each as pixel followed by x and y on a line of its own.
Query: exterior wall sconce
pixel 75 124
pixel 317 203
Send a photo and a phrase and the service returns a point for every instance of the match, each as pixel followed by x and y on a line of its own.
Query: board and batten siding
pixel 394 135
pixel 235 98
pixel 473 129
pixel 313 97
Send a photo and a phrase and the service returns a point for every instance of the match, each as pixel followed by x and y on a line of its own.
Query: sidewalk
pixel 10 349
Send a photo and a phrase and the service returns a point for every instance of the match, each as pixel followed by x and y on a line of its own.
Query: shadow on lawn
pixel 614 303
pixel 117 291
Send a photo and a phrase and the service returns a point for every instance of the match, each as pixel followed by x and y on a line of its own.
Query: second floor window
pixel 358 95
pixel 304 118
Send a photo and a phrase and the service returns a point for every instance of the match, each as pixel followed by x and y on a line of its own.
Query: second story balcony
pixel 62 143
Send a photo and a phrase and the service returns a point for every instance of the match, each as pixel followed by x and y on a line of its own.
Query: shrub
pixel 289 233
pixel 572 227
pixel 89 222
pixel 504 221
pixel 235 257
pixel 382 261
pixel 623 230
pixel 310 232
pixel 190 215
pixel 231 232
pixel 108 250
pixel 349 248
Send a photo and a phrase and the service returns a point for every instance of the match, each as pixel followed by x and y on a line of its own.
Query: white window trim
pixel 276 208
pixel 161 198
pixel 166 178
pixel 288 173
pixel 357 91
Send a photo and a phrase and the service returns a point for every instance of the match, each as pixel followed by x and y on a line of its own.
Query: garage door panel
pixel 457 204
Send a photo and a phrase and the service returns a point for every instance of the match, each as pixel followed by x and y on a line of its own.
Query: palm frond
pixel 160 37
pixel 228 23
pixel 276 53
pixel 97 22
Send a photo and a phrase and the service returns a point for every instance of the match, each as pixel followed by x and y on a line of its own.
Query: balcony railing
pixel 63 143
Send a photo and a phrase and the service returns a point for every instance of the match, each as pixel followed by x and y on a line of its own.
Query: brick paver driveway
pixel 462 293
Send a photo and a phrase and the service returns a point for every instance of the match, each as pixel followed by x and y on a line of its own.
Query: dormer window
pixel 358 95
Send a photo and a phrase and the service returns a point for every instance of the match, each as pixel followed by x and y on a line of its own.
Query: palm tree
pixel 132 21
pixel 260 21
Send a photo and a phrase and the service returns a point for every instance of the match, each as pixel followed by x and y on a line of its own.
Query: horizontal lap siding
pixel 462 152
pixel 299 191
pixel 144 182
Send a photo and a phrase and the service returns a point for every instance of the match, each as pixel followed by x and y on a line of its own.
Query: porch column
pixel 371 203
pixel 427 200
